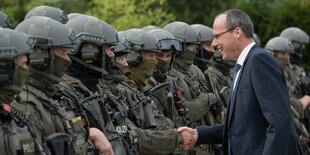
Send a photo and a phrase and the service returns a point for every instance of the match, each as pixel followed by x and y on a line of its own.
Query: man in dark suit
pixel 258 119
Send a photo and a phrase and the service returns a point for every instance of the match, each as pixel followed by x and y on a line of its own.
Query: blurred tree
pixel 270 17
pixel 125 14
pixel 17 9
pixel 194 12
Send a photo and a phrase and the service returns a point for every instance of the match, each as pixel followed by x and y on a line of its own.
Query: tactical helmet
pixel 4 20
pixel 142 41
pixel 295 34
pixel 206 32
pixel 168 42
pixel 166 39
pixel 12 44
pixel 47 11
pixel 149 27
pixel 279 44
pixel 47 34
pixel 122 47
pixel 89 29
pixel 256 39
pixel 73 15
pixel 183 32
pixel 92 35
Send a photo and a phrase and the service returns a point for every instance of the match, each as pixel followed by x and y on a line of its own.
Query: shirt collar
pixel 244 53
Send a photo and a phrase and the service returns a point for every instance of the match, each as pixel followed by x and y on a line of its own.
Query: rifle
pixel 148 113
pixel 132 112
pixel 301 129
pixel 117 117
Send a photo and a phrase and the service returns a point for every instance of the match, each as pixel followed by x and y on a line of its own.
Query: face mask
pixel 22 74
pixel 206 54
pixel 163 65
pixel 295 59
pixel 283 62
pixel 188 56
pixel 150 65
pixel 119 69
pixel 60 66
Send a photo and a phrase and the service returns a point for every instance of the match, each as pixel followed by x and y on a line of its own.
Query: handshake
pixel 190 137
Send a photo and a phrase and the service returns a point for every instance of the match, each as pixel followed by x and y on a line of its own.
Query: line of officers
pixel 71 84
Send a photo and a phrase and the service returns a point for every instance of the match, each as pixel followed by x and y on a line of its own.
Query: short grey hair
pixel 237 18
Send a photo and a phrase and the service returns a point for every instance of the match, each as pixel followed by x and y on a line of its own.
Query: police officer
pixel 165 90
pixel 91 59
pixel 47 66
pixel 155 132
pixel 220 78
pixel 18 136
pixel 204 50
pixel 282 48
pixel 191 80
pixel 48 11
pixel 299 39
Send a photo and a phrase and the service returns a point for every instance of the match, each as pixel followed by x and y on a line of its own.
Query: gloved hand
pixel 217 108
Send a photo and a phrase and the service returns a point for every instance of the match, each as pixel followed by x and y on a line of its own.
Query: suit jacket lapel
pixel 233 100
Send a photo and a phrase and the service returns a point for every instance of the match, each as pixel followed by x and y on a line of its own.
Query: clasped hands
pixel 190 137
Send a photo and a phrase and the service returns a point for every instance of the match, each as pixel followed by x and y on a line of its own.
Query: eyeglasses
pixel 216 36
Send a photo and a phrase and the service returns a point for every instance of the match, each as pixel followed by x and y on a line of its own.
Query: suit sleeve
pixel 271 92
pixel 210 134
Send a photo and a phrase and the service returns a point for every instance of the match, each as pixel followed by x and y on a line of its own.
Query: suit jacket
pixel 259 121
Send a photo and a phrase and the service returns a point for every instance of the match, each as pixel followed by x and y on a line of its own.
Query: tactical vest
pixel 18 135
pixel 118 115
pixel 152 139
pixel 191 83
pixel 56 115
pixel 93 110
pixel 163 92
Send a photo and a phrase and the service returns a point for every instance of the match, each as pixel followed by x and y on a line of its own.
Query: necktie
pixel 237 68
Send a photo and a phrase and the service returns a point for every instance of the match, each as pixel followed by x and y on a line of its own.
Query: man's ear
pixel 237 32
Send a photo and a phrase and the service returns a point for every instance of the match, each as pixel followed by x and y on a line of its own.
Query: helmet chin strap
pixel 144 65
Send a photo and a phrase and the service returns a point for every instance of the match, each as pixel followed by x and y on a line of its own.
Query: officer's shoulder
pixel 31 94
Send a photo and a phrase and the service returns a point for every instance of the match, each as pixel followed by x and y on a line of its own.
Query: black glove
pixel 217 108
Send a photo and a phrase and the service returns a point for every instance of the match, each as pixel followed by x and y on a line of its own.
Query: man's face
pixel 121 60
pixel 108 51
pixel 207 46
pixel 22 61
pixel 224 39
pixel 164 56
pixel 283 55
pixel 61 52
pixel 148 55
pixel 191 47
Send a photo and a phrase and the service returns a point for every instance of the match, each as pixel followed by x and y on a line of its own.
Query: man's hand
pixel 100 141
pixel 190 137
pixel 305 101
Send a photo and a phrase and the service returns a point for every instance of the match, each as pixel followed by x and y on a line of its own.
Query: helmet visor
pixel 167 44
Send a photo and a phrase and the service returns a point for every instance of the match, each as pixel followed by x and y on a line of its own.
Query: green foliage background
pixel 270 17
